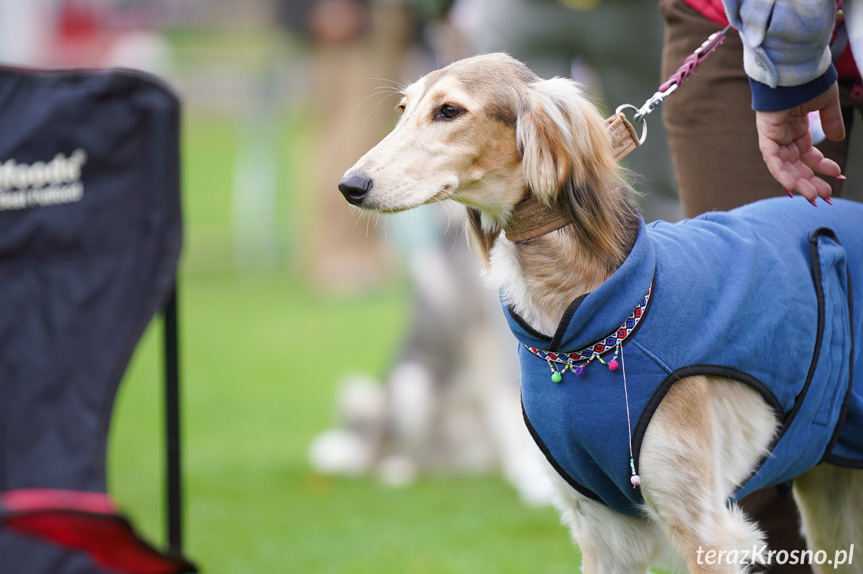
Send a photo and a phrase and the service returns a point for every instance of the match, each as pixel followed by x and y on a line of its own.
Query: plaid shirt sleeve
pixel 786 42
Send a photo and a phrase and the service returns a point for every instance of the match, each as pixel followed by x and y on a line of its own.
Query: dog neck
pixel 551 255
pixel 541 275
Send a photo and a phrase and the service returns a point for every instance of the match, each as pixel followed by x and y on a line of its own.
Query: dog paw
pixel 397 471
pixel 340 452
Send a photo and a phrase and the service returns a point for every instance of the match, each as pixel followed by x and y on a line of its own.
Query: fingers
pixel 782 171
pixel 813 162
pixel 830 112
pixel 797 163
pixel 814 159
pixel 786 144
pixel 813 188
pixel 796 168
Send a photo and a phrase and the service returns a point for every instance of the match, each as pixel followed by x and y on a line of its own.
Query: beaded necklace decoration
pixel 585 356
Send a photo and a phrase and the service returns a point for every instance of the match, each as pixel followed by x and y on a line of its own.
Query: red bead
pixel 612 365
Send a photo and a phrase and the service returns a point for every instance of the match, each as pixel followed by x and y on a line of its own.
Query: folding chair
pixel 90 234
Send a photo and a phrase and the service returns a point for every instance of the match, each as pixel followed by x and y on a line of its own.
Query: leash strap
pixel 691 62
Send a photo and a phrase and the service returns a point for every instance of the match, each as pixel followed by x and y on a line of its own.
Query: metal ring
pixel 642 120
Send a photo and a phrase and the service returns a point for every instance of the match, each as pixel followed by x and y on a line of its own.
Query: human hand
pixel 786 144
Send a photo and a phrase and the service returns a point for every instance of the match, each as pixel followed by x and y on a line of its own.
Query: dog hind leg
pixel 830 499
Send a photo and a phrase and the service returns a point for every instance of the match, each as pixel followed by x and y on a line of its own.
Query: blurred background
pixel 349 390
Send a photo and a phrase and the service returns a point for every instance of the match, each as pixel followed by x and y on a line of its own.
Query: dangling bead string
pixel 612 364
pixel 634 479
pixel 579 370
pixel 556 376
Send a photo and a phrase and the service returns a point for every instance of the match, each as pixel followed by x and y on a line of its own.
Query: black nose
pixel 355 187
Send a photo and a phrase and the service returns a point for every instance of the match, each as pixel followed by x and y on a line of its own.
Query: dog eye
pixel 447 112
pixel 400 108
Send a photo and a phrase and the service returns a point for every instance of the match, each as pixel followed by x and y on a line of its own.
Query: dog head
pixel 485 131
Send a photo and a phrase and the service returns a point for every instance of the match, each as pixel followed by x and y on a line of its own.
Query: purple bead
pixel 579 370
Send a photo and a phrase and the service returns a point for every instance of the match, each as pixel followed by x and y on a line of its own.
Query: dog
pixel 666 370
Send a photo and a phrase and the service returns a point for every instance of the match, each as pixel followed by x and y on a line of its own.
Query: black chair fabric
pixel 90 235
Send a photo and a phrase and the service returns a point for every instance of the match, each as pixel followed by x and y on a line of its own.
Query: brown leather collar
pixel 531 219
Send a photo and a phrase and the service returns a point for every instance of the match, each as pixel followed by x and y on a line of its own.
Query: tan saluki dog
pixel 482 132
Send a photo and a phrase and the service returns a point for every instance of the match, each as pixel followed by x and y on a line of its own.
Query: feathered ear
pixel 482 239
pixel 562 139
pixel 567 159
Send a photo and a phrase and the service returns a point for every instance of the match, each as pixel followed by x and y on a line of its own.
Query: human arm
pixel 787 57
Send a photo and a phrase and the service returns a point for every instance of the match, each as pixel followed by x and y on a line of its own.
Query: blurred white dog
pixel 450 402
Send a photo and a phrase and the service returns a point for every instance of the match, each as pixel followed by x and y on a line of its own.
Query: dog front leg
pixel 610 543
pixel 687 473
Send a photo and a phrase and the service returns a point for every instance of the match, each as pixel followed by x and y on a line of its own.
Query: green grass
pixel 258 383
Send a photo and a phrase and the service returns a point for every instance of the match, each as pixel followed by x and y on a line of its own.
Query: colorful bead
pixel 612 365
pixel 634 480
pixel 556 377
pixel 579 370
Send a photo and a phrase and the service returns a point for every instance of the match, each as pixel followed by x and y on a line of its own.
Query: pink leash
pixel 689 64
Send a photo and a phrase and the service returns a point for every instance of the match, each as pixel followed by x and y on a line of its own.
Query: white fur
pixel 503 276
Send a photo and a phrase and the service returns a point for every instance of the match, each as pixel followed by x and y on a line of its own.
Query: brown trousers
pixel 714 150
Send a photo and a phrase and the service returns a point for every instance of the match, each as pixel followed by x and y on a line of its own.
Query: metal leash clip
pixel 653 102
pixel 622 107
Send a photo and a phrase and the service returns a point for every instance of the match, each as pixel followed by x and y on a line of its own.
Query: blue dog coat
pixel 768 294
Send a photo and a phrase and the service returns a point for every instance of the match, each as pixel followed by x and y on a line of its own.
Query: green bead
pixel 556 377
